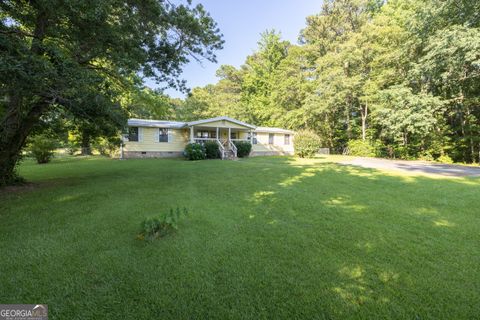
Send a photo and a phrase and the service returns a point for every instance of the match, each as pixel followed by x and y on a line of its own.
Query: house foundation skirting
pixel 152 154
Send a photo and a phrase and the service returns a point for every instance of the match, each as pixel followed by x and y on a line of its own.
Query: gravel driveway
pixel 448 170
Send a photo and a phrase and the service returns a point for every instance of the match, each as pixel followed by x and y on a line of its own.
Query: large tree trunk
pixel 330 127
pixel 470 137
pixel 364 113
pixel 14 130
pixel 86 149
pixel 349 127
pixel 479 153
pixel 18 121
pixel 405 142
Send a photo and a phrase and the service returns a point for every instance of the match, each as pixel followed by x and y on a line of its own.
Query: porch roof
pixel 206 121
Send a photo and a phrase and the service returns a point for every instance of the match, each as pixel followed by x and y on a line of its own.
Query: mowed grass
pixel 271 237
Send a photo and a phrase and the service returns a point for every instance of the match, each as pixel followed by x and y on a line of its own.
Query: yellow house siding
pixel 243 135
pixel 278 143
pixel 179 139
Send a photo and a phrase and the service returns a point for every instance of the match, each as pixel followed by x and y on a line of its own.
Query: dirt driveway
pixel 448 170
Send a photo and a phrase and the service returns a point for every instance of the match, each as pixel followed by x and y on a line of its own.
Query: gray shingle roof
pixel 155 123
pixel 273 130
pixel 179 125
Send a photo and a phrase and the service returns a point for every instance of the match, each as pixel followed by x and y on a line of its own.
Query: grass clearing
pixel 269 237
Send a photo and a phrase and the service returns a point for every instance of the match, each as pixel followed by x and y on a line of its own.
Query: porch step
pixel 229 155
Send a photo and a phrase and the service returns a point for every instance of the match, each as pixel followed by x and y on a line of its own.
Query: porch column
pixel 191 134
pixel 251 136
pixel 218 138
pixel 229 133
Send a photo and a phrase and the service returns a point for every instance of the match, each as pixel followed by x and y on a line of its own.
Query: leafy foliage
pixel 404 74
pixel 107 147
pixel 306 143
pixel 41 147
pixel 212 150
pixel 405 116
pixel 158 227
pixel 243 148
pixel 71 144
pixel 84 58
pixel 427 156
pixel 195 151
pixel 445 159
pixel 361 148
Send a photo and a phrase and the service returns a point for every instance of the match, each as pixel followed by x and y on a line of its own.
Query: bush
pixel 157 227
pixel 361 148
pixel 212 150
pixel 445 159
pixel 107 147
pixel 72 148
pixel 41 148
pixel 426 156
pixel 306 143
pixel 195 151
pixel 243 148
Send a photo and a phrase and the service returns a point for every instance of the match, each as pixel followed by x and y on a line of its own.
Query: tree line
pixel 399 78
pixel 402 77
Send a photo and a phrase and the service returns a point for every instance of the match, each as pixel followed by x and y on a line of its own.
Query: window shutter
pixel 170 136
pixel 140 134
pixel 156 135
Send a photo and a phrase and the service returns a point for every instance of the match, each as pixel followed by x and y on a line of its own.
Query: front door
pixel 223 133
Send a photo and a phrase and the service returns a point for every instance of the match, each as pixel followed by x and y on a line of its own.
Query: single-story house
pixel 158 138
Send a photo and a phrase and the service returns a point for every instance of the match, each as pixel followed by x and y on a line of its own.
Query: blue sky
pixel 241 22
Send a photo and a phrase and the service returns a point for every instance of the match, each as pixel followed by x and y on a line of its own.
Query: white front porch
pixel 222 130
pixel 199 134
pixel 224 137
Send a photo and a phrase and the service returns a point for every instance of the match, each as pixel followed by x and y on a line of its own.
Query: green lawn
pixel 269 237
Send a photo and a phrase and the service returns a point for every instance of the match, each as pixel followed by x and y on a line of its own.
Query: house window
pixel 133 134
pixel 233 135
pixel 162 135
pixel 287 139
pixel 206 134
pixel 270 138
pixel 254 140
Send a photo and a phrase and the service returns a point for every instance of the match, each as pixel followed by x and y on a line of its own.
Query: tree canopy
pixel 401 75
pixel 84 56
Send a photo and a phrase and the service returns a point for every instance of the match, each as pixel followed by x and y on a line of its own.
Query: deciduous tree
pixel 55 53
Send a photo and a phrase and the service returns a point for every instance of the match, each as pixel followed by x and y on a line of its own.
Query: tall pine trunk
pixel 364 114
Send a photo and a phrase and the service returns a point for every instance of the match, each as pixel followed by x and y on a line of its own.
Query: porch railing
pixel 203 140
pixel 233 147
pixel 221 147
